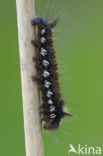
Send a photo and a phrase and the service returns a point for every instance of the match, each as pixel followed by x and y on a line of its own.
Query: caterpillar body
pixel 52 107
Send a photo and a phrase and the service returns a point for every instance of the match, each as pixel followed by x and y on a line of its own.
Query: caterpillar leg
pixel 42 106
pixel 35 43
pixel 43 119
pixel 36 58
pixel 38 67
pixel 36 78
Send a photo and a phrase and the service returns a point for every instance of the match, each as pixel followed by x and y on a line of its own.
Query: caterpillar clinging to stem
pixel 51 109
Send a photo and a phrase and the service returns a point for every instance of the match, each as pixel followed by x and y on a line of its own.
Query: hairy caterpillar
pixel 46 64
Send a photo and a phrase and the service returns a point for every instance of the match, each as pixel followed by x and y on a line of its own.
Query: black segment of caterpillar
pixel 52 107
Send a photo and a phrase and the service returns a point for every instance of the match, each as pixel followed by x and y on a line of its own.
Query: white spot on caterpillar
pixel 43 31
pixel 43 52
pixel 47 84
pixel 43 40
pixel 45 74
pixel 45 63
pixel 49 93
pixel 50 102
pixel 52 109
pixel 52 116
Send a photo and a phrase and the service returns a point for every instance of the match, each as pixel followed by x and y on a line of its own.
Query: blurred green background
pixel 80 43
